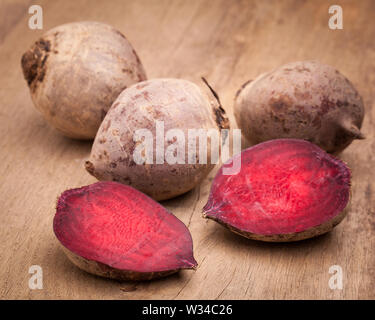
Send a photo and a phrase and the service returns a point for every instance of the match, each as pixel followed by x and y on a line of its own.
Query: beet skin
pixel 115 231
pixel 287 190
pixel 301 100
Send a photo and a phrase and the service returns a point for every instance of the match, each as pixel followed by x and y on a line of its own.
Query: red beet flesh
pixel 122 230
pixel 286 190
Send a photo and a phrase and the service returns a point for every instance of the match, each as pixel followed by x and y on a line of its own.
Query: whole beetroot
pixel 306 100
pixel 75 72
pixel 177 104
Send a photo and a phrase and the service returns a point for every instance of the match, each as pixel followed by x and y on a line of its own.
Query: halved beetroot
pixel 286 190
pixel 112 230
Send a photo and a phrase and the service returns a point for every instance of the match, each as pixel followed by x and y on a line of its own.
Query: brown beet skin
pixel 75 71
pixel 301 100
pixel 113 230
pixel 179 104
pixel 286 190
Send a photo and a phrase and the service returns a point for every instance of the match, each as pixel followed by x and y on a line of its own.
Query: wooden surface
pixel 228 42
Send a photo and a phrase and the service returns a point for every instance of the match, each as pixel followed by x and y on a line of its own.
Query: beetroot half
pixel 112 230
pixel 286 190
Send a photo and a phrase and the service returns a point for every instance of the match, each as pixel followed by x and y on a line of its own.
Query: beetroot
pixel 76 71
pixel 112 230
pixel 287 190
pixel 304 100
pixel 179 105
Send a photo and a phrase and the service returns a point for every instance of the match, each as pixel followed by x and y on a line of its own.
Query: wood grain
pixel 228 42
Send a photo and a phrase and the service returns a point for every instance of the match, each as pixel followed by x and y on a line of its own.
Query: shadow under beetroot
pixel 64 266
pixel 177 201
pixel 237 240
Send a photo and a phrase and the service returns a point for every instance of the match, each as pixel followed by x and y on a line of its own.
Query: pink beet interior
pixel 121 227
pixel 284 186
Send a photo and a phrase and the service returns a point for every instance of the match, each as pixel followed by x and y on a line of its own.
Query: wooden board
pixel 228 42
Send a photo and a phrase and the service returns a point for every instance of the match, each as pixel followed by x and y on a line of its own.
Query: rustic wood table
pixel 228 42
